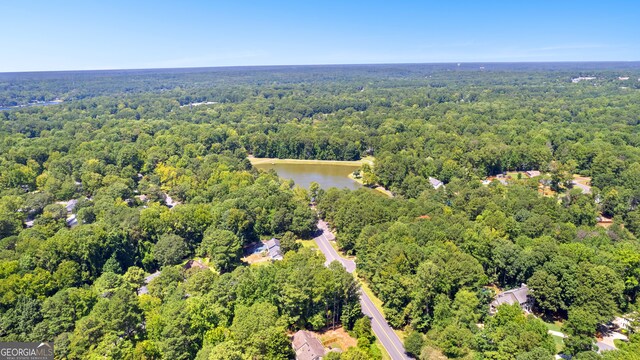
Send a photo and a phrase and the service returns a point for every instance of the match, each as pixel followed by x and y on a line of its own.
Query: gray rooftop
pixel 435 182
pixel 143 289
pixel 71 205
pixel 515 296
pixel 307 346
pixel 273 247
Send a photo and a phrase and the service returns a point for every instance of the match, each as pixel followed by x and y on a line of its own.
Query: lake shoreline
pixel 275 161
pixel 376 187
pixel 327 173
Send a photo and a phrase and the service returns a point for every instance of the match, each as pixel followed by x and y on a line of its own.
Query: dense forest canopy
pixel 157 162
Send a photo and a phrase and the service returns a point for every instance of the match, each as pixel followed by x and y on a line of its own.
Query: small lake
pixel 324 174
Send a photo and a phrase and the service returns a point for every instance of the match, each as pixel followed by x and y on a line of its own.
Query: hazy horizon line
pixel 320 65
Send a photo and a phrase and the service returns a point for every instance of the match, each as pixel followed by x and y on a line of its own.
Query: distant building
pixel 273 247
pixel 68 205
pixel 623 78
pixel 582 78
pixel 435 182
pixel 72 220
pixel 169 201
pixel 194 264
pixel 502 179
pixel 532 173
pixel 307 346
pixel 518 296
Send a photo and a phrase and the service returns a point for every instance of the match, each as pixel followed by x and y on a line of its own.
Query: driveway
pixel 143 289
pixel 586 189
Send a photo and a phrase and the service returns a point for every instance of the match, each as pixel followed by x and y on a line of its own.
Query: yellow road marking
pixel 383 331
pixel 364 302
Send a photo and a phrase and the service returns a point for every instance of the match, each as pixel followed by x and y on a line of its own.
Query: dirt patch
pixel 255 258
pixel 604 221
pixel 546 191
pixel 584 180
pixel 336 338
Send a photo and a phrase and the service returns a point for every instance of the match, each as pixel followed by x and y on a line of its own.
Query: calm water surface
pixel 325 175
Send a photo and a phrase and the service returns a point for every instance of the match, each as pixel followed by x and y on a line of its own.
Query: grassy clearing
pixel 514 175
pixel 379 188
pixel 258 161
pixel 368 160
pixel 559 343
pixel 310 244
pixel 555 326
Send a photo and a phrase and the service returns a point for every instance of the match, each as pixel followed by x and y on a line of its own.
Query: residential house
pixel 194 264
pixel 273 247
pixel 72 220
pixel 435 182
pixel 532 173
pixel 307 346
pixel 502 178
pixel 143 289
pixel 71 204
pixel 582 78
pixel 518 296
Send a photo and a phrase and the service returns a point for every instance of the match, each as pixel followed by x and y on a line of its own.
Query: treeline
pixel 159 180
pixel 191 313
pixel 150 195
pixel 430 260
pixel 418 121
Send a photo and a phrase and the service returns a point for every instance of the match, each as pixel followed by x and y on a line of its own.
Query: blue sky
pixel 82 35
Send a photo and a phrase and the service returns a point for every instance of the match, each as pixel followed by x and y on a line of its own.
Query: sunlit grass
pixel 310 244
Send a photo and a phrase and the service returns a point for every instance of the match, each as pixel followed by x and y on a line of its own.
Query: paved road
pixel 325 235
pixel 602 346
pixel 143 289
pixel 381 329
pixel 585 188
pixel 557 333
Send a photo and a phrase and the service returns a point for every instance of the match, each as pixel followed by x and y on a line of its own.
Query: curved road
pixel 381 329
pixel 585 188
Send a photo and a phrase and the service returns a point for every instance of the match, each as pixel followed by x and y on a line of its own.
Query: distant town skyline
pixel 77 35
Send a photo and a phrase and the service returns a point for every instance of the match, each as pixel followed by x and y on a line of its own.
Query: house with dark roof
pixel 518 296
pixel 273 247
pixel 307 346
